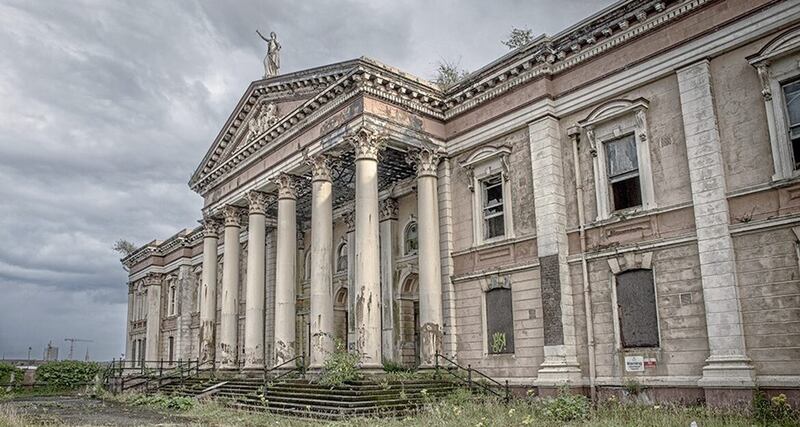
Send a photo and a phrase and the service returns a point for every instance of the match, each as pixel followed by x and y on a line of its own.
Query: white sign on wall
pixel 634 363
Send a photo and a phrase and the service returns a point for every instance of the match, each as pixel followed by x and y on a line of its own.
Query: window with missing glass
pixel 410 238
pixel 341 258
pixel 623 172
pixel 493 209
pixel 791 97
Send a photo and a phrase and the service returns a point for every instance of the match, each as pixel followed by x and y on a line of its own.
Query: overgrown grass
pixel 155 401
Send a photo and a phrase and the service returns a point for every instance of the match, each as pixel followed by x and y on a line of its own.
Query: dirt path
pixel 84 411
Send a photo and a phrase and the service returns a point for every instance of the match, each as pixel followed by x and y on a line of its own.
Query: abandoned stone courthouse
pixel 618 201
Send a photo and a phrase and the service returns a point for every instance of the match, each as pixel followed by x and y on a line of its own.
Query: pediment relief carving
pixel 786 43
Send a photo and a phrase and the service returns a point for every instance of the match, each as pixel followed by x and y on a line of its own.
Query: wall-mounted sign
pixel 650 363
pixel 634 363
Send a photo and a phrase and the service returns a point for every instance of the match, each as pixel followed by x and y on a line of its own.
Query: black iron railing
pixel 483 381
pixel 299 367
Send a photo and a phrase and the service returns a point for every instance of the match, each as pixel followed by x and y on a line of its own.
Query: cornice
pixel 338 83
pixel 184 239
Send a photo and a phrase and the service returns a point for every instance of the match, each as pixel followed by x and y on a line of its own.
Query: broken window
pixel 341 258
pixel 636 308
pixel 623 172
pixel 791 96
pixel 493 212
pixel 410 239
pixel 499 321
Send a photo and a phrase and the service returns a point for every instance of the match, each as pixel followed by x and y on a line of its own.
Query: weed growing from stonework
pixel 160 401
pixel 775 410
pixel 340 366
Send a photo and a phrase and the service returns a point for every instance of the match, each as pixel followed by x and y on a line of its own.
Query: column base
pixel 728 372
pixel 558 369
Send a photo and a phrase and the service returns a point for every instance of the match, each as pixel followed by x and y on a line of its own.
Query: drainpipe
pixel 574 134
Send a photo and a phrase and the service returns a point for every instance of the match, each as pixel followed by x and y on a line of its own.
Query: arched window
pixel 411 243
pixel 341 258
pixel 636 309
pixel 307 267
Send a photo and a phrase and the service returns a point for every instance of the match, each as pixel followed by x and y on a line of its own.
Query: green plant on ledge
pixel 498 342
pixel 340 366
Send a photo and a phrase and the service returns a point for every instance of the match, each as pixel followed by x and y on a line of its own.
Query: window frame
pixel 172 298
pixel 608 123
pixel 776 65
pixel 486 163
pixel 342 247
pixel 406 252
pixel 487 285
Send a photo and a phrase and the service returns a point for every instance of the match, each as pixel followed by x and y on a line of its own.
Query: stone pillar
pixel 128 343
pixel 560 365
pixel 285 266
pixel 152 283
pixel 321 304
pixel 254 302
pixel 208 292
pixel 388 229
pixel 367 264
pixel 229 317
pixel 350 222
pixel 430 263
pixel 727 365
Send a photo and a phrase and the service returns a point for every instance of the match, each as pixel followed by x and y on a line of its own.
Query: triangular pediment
pixel 263 105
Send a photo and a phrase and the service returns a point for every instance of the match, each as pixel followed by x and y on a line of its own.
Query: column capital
pixel 425 160
pixel 153 279
pixel 287 186
pixel 367 143
pixel 232 215
pixel 320 166
pixel 350 220
pixel 388 209
pixel 210 226
pixel 258 201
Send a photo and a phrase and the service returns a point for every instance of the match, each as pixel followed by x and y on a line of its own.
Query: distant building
pixel 50 353
pixel 639 169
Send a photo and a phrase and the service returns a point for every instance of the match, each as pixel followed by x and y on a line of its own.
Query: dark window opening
pixel 623 172
pixel 499 321
pixel 493 209
pixel 171 350
pixel 636 306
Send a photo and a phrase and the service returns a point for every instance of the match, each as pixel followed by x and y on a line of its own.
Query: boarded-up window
pixel 623 172
pixel 499 321
pixel 636 305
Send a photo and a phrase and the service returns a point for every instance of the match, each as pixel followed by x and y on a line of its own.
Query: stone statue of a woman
pixel 272 62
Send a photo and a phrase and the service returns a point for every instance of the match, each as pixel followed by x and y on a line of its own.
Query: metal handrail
pixel 506 395
pixel 301 369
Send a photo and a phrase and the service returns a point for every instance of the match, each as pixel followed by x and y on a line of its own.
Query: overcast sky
pixel 106 108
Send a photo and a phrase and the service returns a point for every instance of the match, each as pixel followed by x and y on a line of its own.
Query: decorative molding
pixel 388 209
pixel 287 186
pixel 153 279
pixel 630 261
pixel 232 215
pixel 258 201
pixel 349 218
pixel 262 119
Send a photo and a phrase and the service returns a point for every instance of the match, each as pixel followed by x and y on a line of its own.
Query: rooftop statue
pixel 272 62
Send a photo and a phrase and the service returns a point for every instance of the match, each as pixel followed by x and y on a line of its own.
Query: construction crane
pixel 72 342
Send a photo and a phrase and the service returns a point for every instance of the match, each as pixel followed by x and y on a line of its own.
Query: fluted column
pixel 430 264
pixel 254 303
pixel 229 321
pixel 321 310
pixel 285 270
pixel 152 283
pixel 367 262
pixel 208 293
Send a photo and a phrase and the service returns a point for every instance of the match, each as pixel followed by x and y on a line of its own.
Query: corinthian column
pixel 152 283
pixel 367 259
pixel 321 280
pixel 285 270
pixel 208 295
pixel 430 264
pixel 254 303
pixel 230 288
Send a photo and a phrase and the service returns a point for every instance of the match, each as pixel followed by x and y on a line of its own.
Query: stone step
pixel 322 415
pixel 317 403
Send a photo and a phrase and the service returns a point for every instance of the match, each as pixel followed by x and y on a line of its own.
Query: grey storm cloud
pixel 106 108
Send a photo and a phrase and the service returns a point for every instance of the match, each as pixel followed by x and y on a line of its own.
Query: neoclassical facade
pixel 617 202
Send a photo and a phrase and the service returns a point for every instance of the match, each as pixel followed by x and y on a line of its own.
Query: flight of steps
pixel 301 398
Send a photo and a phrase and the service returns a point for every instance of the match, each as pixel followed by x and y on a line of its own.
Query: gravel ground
pixel 85 411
